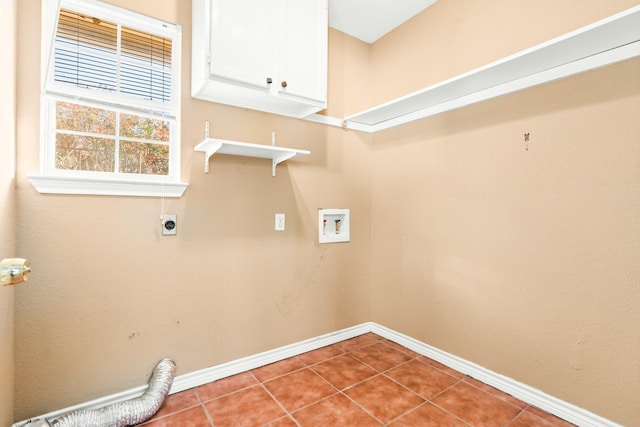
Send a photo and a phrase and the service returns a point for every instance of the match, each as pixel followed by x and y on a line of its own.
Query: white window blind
pixel 95 54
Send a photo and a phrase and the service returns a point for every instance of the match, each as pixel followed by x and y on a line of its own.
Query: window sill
pixel 104 187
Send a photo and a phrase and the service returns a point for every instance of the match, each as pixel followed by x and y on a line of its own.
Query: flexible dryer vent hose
pixel 129 412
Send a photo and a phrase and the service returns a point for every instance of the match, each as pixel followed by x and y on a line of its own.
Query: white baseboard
pixel 204 376
pixel 207 375
pixel 527 394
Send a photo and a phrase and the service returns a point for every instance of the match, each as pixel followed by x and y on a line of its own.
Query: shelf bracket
pixel 211 150
pixel 279 158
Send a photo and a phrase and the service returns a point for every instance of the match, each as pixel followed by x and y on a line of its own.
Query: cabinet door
pixel 303 49
pixel 242 41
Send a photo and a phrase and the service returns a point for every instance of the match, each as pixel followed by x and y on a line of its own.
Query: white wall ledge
pixel 605 42
pixel 105 187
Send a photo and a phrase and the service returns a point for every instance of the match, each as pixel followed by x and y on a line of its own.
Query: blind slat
pixel 87 55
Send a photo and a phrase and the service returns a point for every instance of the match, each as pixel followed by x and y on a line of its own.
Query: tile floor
pixel 364 381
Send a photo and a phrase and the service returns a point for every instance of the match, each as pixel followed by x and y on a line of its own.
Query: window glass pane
pixel 144 158
pixel 144 128
pixel 86 153
pixel 145 83
pixel 146 66
pixel 81 118
pixel 86 52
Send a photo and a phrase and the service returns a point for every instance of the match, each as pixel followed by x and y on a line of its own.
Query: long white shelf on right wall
pixel 604 42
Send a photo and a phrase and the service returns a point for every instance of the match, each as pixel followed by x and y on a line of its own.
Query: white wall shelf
pixel 211 146
pixel 604 42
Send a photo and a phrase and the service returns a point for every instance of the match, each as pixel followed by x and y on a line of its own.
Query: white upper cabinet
pixel 268 55
pixel 242 43
pixel 303 62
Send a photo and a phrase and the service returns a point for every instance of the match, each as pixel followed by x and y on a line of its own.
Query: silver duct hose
pixel 129 412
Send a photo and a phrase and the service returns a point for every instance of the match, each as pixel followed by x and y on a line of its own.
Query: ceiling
pixel 368 20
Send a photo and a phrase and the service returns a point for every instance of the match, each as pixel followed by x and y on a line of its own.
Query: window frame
pixel 59 181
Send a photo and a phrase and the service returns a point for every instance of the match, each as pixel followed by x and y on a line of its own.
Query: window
pixel 110 102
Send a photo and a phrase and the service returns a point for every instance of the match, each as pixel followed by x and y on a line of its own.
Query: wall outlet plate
pixel 169 225
pixel 279 222
pixel 333 225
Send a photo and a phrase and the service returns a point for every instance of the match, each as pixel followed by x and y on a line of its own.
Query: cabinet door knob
pixel 284 83
pixel 269 80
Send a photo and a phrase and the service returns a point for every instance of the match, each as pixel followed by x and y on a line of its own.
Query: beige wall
pixel 110 296
pixel 7 202
pixel 526 262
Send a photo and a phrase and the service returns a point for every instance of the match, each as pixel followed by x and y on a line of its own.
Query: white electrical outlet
pixel 279 222
pixel 169 225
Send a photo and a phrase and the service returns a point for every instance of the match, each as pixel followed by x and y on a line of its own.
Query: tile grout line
pixel 354 384
pixel 366 411
pixel 286 411
pixel 427 402
pixel 309 367
pixel 512 420
pixel 463 380
pixel 338 392
pixel 341 391
pixel 383 374
pixel 229 393
pixel 204 408
pixel 379 373
pixel 153 419
pixel 262 384
pixel 493 395
pixel 430 400
pixel 449 413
